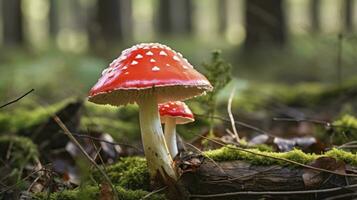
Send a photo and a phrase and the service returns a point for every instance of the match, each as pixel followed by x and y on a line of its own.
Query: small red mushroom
pixel 148 74
pixel 172 113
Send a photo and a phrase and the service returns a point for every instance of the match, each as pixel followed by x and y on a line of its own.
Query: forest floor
pixel 297 141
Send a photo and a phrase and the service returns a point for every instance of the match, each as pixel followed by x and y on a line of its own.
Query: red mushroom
pixel 172 113
pixel 149 74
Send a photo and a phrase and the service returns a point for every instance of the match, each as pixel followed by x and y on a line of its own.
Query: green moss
pixel 22 118
pixel 129 172
pixel 229 154
pixel 92 192
pixel 264 147
pixel 341 155
pixel 346 122
pixel 345 129
pixel 22 150
pixel 118 129
pixel 257 97
pixel 120 122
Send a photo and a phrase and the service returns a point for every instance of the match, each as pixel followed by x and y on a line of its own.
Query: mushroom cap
pixel 175 109
pixel 148 69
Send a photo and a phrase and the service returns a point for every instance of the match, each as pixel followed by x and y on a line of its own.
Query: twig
pixel 238 123
pixel 314 121
pixel 214 162
pixel 341 196
pixel 73 139
pixel 106 141
pixel 19 182
pixel 294 192
pixel 281 159
pixel 153 192
pixel 231 117
pixel 14 101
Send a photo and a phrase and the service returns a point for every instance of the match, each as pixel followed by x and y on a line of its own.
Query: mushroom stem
pixel 156 152
pixel 170 136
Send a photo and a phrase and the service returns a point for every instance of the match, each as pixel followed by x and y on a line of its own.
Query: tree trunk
pixel 53 18
pixel 126 18
pixel 222 17
pixel 109 20
pixel 265 24
pixel 349 15
pixel 12 22
pixel 174 17
pixel 315 15
pixel 163 17
pixel 208 178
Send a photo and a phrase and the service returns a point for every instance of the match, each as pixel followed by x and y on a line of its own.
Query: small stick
pixel 294 192
pixel 73 139
pixel 106 141
pixel 341 196
pixel 314 121
pixel 229 109
pixel 238 123
pixel 214 162
pixel 15 100
pixel 154 192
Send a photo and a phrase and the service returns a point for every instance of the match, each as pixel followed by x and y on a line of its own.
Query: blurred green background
pixel 59 47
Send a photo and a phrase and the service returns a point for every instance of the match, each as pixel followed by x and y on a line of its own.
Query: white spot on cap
pixel 126 73
pixel 168 65
pixel 185 67
pixel 123 57
pixel 115 60
pixel 149 53
pixel 155 47
pixel 176 58
pixel 179 54
pixel 166 106
pixel 104 71
pixel 134 62
pixel 152 60
pixel 163 53
pixel 155 68
pixel 146 47
pixel 125 67
pixel 138 56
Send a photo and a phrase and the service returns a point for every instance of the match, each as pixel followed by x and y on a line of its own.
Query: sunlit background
pixel 60 47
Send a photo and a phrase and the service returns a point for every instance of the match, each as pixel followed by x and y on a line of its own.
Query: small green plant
pixel 345 129
pixel 218 72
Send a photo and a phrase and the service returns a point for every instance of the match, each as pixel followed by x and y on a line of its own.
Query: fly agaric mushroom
pixel 148 74
pixel 172 113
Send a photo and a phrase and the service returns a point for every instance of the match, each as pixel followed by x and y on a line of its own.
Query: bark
pixel 53 18
pixel 265 24
pixel 207 178
pixel 222 16
pixel 12 22
pixel 174 17
pixel 109 20
pixel 349 15
pixel 315 15
pixel 126 18
pixel 163 17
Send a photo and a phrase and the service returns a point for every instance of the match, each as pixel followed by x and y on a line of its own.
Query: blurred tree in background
pixel 265 23
pixel 12 22
pixel 296 40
